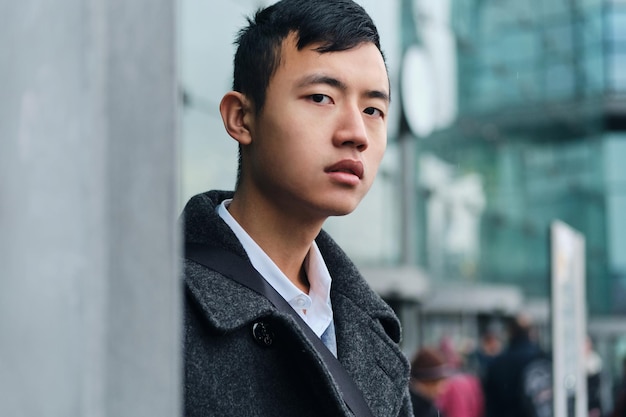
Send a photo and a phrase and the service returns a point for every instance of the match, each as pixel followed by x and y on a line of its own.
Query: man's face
pixel 319 139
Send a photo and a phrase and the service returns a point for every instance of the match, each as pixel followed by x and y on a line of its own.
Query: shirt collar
pixel 317 303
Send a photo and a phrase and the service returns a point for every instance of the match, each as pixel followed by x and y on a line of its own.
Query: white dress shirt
pixel 314 308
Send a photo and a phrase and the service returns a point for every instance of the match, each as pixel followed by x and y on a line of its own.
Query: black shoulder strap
pixel 242 271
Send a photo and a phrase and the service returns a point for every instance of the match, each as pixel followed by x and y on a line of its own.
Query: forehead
pixel 363 63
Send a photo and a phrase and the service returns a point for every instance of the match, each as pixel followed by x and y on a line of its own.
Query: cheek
pixel 284 133
pixel 269 141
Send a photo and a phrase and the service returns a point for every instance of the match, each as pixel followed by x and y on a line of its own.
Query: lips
pixel 348 166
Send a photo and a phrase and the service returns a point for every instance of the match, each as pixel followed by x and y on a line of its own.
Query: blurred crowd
pixel 504 374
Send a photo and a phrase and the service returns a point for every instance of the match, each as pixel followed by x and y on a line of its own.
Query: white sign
pixel 568 321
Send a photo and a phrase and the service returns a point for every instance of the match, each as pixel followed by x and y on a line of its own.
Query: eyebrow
pixel 334 82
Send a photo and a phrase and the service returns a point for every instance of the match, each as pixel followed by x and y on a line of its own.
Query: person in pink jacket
pixel 462 396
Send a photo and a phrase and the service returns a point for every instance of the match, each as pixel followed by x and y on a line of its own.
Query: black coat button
pixel 263 333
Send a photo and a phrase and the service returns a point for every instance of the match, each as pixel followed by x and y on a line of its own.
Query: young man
pixel 309 111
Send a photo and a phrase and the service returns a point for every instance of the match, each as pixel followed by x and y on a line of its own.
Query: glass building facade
pixel 539 134
pixel 541 116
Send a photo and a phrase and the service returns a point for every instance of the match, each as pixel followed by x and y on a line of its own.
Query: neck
pixel 286 238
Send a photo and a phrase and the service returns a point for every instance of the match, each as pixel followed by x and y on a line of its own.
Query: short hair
pixel 520 327
pixel 337 25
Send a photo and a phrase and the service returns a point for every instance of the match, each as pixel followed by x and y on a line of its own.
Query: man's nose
pixel 351 129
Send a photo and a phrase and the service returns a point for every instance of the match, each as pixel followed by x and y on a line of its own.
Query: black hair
pixel 520 328
pixel 336 25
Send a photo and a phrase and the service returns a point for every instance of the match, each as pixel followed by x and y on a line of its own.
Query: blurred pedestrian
pixel 518 383
pixel 429 372
pixel 593 368
pixel 619 405
pixel 489 347
pixel 462 395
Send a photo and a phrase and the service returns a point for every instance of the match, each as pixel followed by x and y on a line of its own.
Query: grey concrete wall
pixel 89 290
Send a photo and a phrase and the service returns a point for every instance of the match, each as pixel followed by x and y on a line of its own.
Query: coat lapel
pixel 367 334
pixel 226 304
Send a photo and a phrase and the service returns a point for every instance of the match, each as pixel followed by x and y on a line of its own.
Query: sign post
pixel 568 321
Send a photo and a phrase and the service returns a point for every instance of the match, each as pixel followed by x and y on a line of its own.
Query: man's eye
pixel 320 98
pixel 373 111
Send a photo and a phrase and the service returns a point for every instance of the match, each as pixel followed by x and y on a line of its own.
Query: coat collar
pixel 226 304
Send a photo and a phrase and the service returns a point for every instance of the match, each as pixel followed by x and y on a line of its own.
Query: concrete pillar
pixel 89 287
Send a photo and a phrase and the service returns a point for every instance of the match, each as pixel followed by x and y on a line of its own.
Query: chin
pixel 334 204
pixel 344 208
pixel 340 213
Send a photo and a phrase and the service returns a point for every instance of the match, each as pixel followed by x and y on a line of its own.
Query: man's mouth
pixel 348 166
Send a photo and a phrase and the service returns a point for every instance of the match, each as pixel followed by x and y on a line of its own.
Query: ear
pixel 236 111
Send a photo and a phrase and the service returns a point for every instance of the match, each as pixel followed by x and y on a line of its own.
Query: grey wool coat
pixel 244 358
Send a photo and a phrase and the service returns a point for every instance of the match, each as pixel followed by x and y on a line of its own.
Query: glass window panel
pixel 617 75
pixel 559 82
pixel 594 73
pixel 559 40
pixel 616 22
pixel 590 3
pixel 554 8
pixel 592 28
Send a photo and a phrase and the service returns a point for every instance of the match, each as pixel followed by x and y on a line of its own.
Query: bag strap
pixel 236 268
